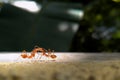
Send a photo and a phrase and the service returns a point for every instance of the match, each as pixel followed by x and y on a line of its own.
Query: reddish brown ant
pixel 47 53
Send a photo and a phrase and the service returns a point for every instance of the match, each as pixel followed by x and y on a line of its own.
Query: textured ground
pixel 88 70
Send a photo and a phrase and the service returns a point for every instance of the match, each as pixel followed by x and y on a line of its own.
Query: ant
pixel 39 49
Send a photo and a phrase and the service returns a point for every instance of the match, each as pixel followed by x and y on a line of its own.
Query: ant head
pixel 24 55
pixel 53 56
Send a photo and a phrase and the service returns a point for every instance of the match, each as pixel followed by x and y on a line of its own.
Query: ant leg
pixel 40 56
pixel 53 52
pixel 23 52
pixel 49 54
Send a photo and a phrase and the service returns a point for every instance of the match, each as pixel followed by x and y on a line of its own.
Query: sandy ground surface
pixel 105 70
pixel 66 67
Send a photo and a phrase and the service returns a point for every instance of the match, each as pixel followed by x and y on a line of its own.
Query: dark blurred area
pixel 62 25
pixel 53 26
pixel 99 29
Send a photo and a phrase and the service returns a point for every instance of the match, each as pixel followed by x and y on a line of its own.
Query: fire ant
pixel 47 53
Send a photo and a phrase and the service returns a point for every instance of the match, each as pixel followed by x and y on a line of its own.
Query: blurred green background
pixel 62 25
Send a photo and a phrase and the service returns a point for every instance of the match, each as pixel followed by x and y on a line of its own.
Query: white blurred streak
pixel 75 27
pixel 27 5
pixel 63 26
pixel 61 57
pixel 4 1
pixel 76 13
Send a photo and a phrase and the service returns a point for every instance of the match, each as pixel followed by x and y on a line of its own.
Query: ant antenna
pixel 49 50
pixel 53 51
pixel 36 46
pixel 24 51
